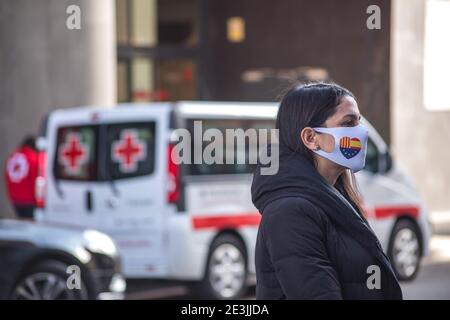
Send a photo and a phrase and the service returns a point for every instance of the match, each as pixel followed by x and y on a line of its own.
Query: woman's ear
pixel 309 138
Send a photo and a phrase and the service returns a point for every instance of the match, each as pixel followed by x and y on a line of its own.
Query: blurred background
pixel 249 50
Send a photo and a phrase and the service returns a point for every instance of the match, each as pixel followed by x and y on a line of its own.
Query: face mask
pixel 350 146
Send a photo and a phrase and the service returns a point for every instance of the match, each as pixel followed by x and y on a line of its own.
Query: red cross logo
pixel 17 167
pixel 128 151
pixel 73 154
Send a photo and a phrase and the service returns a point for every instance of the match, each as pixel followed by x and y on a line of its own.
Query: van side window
pixel 76 155
pixel 130 150
pixel 237 167
pixel 372 157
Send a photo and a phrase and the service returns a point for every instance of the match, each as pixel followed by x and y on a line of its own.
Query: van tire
pixel 227 252
pixel 405 240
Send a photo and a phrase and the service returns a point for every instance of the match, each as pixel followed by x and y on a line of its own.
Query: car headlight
pixel 99 242
pixel 118 283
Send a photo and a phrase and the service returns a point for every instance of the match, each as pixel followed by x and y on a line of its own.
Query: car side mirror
pixel 41 143
pixel 385 162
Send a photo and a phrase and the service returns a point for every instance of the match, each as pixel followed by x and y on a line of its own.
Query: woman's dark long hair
pixel 310 105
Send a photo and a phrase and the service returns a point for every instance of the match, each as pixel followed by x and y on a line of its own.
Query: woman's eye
pixel 348 123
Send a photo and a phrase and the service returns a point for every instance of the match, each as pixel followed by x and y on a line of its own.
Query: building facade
pixel 168 50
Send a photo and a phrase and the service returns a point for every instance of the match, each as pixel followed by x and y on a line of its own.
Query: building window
pixel 122 81
pixel 142 81
pixel 177 78
pixel 158 45
pixel 122 23
pixel 437 55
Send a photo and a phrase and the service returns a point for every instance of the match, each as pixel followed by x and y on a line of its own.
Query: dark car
pixel 43 261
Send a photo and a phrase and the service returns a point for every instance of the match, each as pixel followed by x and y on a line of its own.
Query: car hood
pixel 57 237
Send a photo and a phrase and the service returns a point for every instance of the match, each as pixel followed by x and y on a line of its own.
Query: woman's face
pixel 346 115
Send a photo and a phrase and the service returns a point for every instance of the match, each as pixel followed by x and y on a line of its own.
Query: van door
pixel 131 205
pixel 72 172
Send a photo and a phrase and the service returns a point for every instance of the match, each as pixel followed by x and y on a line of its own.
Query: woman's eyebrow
pixel 353 116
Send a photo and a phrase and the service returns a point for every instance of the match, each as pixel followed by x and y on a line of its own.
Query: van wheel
pixel 47 280
pixel 226 269
pixel 404 250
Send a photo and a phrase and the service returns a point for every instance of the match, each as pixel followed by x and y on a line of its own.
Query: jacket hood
pixel 297 177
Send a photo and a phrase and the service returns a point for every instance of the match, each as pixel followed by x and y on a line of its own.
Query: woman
pixel 313 240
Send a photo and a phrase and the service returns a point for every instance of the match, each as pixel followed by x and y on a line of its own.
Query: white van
pixel 110 169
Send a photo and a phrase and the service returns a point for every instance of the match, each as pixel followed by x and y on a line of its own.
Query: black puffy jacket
pixel 312 243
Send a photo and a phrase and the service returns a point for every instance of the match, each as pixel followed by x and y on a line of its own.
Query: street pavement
pixel 432 281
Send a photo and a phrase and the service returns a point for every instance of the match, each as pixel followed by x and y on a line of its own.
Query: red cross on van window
pixel 128 151
pixel 73 154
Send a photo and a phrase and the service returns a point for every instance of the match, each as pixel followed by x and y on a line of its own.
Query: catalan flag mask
pixel 350 146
